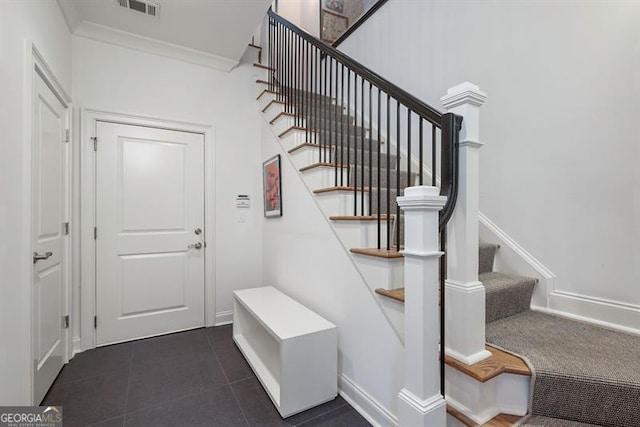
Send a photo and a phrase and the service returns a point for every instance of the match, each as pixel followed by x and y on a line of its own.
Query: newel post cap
pixel 464 93
pixel 421 197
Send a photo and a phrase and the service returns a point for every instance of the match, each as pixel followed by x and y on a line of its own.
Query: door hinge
pixel 95 143
pixel 95 233
pixel 67 135
pixel 66 321
pixel 66 228
pixel 95 322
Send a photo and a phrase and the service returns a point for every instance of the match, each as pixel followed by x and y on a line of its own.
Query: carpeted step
pixel 506 294
pixel 537 421
pixel 356 178
pixel 583 372
pixel 487 257
pixel 361 157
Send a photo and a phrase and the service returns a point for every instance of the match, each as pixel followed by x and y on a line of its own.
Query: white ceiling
pixel 210 32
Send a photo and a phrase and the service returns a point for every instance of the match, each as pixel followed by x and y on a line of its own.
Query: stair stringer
pixel 394 313
pixel 386 367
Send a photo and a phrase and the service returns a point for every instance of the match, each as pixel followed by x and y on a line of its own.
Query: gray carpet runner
pixel 583 374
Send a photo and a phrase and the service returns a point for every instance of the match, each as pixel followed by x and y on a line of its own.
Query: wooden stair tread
pixel 300 128
pixel 500 362
pixel 340 188
pixel 320 165
pixel 284 113
pixel 304 145
pixel 255 64
pixel 255 46
pixel 266 91
pixel 382 217
pixel 380 253
pixel 396 294
pixel 501 420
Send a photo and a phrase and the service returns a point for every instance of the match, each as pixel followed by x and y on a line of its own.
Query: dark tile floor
pixel 194 378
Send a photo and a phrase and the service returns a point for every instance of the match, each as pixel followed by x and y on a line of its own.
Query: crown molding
pixel 105 34
pixel 70 13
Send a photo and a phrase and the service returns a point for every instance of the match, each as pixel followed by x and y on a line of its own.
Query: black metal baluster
pixel 421 151
pixel 355 145
pixel 348 164
pixel 269 63
pixel 379 122
pixel 323 133
pixel 434 164
pixel 334 125
pixel 398 162
pixel 409 183
pixel 342 124
pixel 388 172
pixel 328 127
pixel 370 146
pixel 362 145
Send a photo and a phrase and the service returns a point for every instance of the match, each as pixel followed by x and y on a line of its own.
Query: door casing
pixel 90 118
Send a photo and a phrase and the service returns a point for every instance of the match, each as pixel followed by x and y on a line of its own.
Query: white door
pixel 49 339
pixel 150 231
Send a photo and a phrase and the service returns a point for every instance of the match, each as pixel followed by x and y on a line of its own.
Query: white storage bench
pixel 292 350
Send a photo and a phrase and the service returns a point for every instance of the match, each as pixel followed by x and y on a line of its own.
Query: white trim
pixel 224 318
pixel 87 211
pixel 76 346
pixel 365 404
pixel 597 311
pixel 462 94
pixel 468 360
pixel 35 64
pixel 514 259
pixel 105 34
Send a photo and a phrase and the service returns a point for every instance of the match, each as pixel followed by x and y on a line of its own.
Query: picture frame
pixel 272 187
pixel 332 25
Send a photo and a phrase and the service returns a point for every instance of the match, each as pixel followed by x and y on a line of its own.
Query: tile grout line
pixel 126 403
pixel 322 414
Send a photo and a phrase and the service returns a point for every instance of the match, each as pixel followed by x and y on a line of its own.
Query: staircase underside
pixel 583 372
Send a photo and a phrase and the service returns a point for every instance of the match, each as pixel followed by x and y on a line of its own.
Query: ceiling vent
pixel 143 6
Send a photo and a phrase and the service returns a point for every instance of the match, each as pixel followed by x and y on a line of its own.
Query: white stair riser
pixel 273 111
pixel 305 156
pixel 282 123
pixel 339 203
pixel 361 234
pixel 386 273
pixel 292 138
pixel 260 87
pixel 265 99
pixel 506 393
pixel 323 177
pixel 260 73
pixel 251 55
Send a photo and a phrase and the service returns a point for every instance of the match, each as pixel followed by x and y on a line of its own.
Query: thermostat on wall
pixel 243 201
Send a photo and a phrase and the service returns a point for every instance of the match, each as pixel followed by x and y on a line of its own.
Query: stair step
pixel 396 294
pixel 361 218
pixel 321 165
pixel 506 294
pixel 487 255
pixel 500 362
pixel 263 67
pixel 393 176
pixel 380 253
pixel 339 188
pixel 255 46
pixel 538 421
pixel 584 372
pixel 501 420
pixel 353 156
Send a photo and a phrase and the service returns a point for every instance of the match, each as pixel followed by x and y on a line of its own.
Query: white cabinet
pixel 292 350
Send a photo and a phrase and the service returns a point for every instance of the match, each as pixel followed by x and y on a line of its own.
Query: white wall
pixel 304 13
pixel 117 79
pixel 42 23
pixel 559 169
pixel 305 259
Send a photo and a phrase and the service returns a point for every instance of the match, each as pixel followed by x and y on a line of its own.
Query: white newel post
pixel 420 402
pixel 465 295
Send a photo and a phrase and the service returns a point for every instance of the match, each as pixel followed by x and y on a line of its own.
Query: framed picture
pixel 272 187
pixel 332 25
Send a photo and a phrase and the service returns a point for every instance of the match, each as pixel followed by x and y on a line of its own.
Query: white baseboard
pixel 512 258
pixel 75 346
pixel 224 318
pixel 599 311
pixel 366 405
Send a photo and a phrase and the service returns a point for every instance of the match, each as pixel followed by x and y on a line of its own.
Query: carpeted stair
pixel 583 374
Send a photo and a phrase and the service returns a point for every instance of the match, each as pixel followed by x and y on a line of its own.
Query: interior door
pixel 49 339
pixel 150 231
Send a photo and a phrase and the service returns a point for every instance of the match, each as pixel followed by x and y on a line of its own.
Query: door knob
pixel 37 257
pixel 197 231
pixel 195 246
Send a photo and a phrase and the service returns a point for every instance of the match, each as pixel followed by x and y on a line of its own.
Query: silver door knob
pixel 197 231
pixel 37 257
pixel 195 246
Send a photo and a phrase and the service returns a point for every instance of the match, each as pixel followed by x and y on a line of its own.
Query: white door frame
pixel 36 65
pixel 90 117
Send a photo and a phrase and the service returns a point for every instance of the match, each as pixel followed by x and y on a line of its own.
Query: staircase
pixel 356 168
